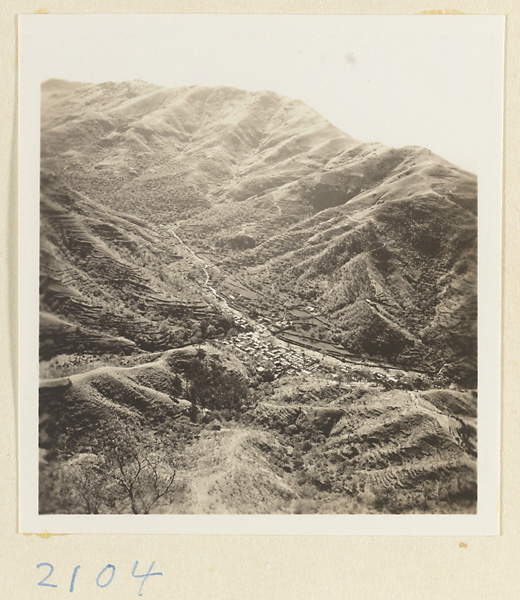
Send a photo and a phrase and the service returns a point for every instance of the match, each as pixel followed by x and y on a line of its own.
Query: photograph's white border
pixel 485 522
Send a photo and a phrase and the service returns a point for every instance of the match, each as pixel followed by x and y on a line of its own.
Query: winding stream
pixel 205 267
pixel 264 332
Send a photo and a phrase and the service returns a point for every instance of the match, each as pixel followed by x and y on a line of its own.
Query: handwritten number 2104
pixel 104 578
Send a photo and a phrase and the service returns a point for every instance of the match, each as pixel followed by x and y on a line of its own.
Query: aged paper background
pixel 229 567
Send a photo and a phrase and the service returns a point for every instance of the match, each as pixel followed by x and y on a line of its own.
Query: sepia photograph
pixel 260 266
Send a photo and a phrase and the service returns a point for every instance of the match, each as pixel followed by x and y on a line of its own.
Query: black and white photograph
pixel 267 261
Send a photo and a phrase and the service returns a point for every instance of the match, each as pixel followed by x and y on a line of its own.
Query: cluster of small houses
pixel 279 360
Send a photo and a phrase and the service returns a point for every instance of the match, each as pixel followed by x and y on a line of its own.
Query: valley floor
pixel 313 430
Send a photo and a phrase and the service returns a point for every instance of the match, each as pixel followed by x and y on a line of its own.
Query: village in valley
pixel 274 359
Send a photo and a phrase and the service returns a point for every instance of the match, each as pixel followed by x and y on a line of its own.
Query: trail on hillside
pixel 232 471
pixel 205 267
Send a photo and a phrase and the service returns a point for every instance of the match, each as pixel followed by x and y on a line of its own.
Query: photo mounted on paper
pixel 260 270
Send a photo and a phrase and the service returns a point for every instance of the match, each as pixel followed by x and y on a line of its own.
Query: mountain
pixel 211 143
pixel 382 239
pixel 241 223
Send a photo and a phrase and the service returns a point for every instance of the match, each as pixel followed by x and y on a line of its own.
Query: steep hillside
pixel 383 240
pixel 183 147
pixel 243 309
pixel 111 284
pixel 394 269
pixel 199 436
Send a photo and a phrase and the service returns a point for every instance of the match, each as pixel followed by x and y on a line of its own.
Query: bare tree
pixel 145 477
pixel 127 468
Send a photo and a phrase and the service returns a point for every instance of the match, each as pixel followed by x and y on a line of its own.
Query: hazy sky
pixel 428 81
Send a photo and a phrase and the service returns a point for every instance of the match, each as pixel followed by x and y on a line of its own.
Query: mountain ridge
pixel 227 281
pixel 231 167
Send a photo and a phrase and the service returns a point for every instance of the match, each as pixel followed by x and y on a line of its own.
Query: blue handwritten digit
pixel 111 576
pixel 144 576
pixel 51 571
pixel 73 578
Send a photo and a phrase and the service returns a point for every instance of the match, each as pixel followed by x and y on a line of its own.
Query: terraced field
pixel 246 310
pixel 315 446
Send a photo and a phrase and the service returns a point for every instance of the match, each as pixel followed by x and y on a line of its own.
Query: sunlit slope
pixel 216 142
pixel 395 267
pixel 382 240
pixel 317 446
pixel 110 283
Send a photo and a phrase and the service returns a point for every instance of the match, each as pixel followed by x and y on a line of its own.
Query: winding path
pixel 263 331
